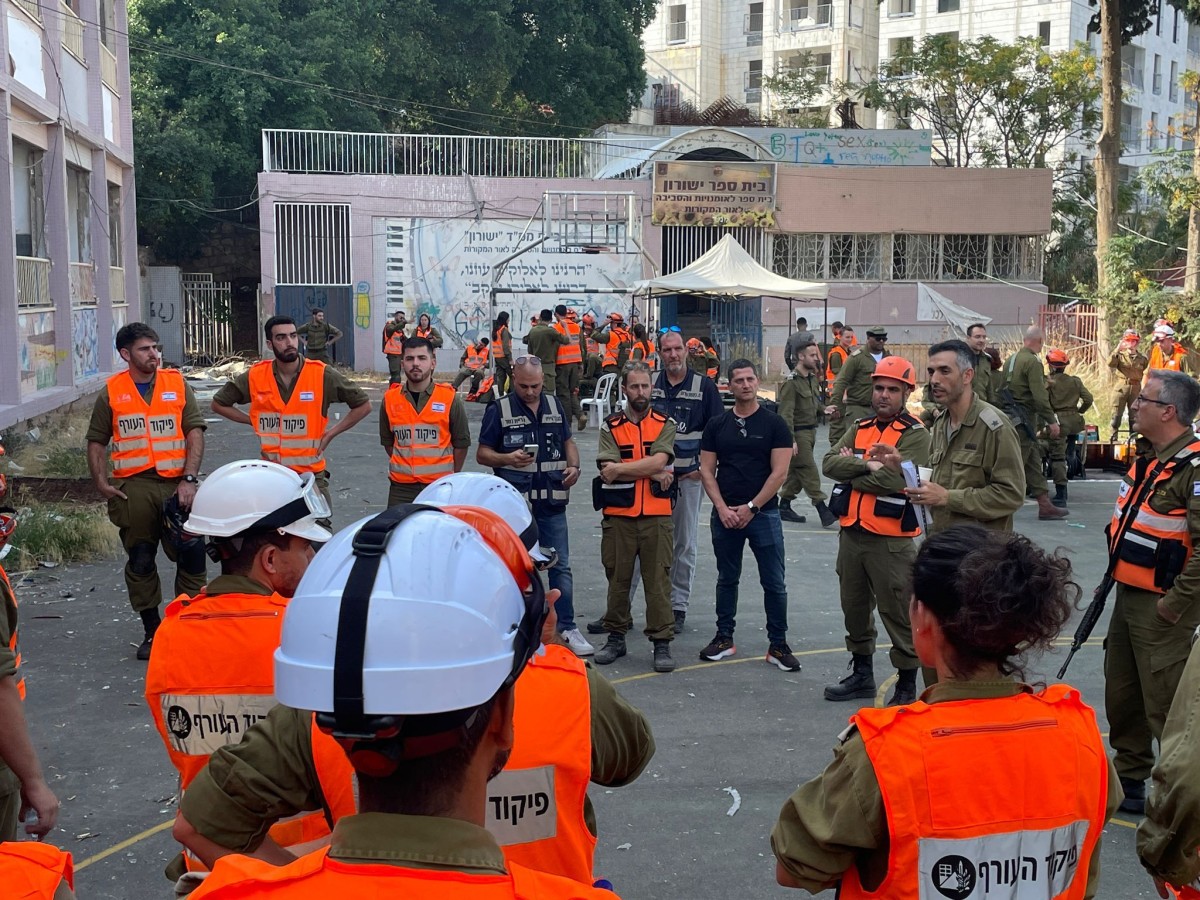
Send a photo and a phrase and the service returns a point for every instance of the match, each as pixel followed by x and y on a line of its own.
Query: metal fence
pixel 207 320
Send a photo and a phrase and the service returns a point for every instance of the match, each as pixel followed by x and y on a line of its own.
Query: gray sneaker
pixel 680 620
pixel 577 642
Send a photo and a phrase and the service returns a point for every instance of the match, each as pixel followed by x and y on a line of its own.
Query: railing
pixel 33 281
pixel 677 32
pixel 1132 76
pixel 72 30
pixel 108 67
pixel 798 18
pixel 820 74
pixel 31 7
pixel 891 69
pixel 116 284
pixel 83 284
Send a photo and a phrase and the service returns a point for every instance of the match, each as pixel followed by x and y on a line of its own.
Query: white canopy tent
pixel 727 270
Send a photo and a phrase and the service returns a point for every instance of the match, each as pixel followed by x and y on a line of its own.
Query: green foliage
pixel 989 103
pixel 208 75
pixel 1138 15
pixel 800 87
pixel 61 532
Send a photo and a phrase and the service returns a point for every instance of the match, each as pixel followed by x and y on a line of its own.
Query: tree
pixel 799 93
pixel 988 103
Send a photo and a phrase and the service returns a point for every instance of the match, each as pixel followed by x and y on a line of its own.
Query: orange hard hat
pixel 589 319
pixel 616 317
pixel 572 316
pixel 896 367
pixel 695 345
pixel 1057 357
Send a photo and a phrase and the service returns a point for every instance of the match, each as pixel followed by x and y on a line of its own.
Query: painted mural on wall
pixel 447 274
pixel 38 370
pixel 84 344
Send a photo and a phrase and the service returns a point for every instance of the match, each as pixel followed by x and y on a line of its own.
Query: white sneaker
pixel 577 642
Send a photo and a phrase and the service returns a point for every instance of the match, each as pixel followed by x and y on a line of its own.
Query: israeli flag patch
pixel 1196 488
pixel 439 407
pixel 169 395
pixel 306 395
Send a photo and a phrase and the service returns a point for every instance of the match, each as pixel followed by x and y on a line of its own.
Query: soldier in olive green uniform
pixel 1027 403
pixel 1129 365
pixel 973 450
pixel 929 409
pixel 1070 400
pixel 399 323
pixel 986 384
pixel 543 342
pixel 799 405
pixel 850 396
pixel 318 336
pixel 270 775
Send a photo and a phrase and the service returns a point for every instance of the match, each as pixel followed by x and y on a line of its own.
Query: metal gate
pixel 207 320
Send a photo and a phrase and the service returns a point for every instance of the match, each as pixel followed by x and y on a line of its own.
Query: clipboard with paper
pixel 912 479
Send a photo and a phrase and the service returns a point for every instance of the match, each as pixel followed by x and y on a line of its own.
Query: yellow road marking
pixel 125 844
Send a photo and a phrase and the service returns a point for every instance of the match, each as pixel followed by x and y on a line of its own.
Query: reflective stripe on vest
pixel 518 428
pixel 395 343
pixel 423 332
pixel 1142 541
pixel 421 451
pixel 498 342
pixel 318 877
pixel 881 514
pixel 476 358
pixel 1159 361
pixel 634 440
pixel 201 703
pixel 648 355
pixel 1027 830
pixel 684 408
pixel 30 870
pixel 289 433
pixel 830 375
pixel 618 340
pixel 534 808
pixel 148 435
pixel 570 353
pixel 14 646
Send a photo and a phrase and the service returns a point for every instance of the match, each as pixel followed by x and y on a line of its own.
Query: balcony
pixel 891 70
pixel 83 284
pixel 72 31
pixel 108 68
pixel 802 18
pixel 1131 76
pixel 33 281
pixel 31 8
pixel 1131 136
pixel 116 284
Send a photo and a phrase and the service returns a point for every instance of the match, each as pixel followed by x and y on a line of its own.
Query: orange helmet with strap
pixel 1057 357
pixel 896 367
pixel 617 318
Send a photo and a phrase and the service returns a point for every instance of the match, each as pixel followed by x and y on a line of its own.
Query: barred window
pixel 1017 257
pixel 854 257
pixel 914 257
pixel 964 257
pixel 800 256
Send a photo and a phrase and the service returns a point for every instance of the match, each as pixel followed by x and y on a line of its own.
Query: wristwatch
pixel 191 479
pixel 753 509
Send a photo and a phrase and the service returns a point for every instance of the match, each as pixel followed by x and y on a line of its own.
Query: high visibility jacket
pixel 890 515
pixel 30 870
pixel 423 332
pixel 542 481
pixel 290 433
pixel 841 353
pixel 634 440
pixel 317 877
pixel 421 451
pixel 616 351
pixel 14 645
pixel 1187 892
pixel 712 364
pixel 148 435
pixel 535 806
pixel 394 345
pixel 649 357
pixel 1156 546
pixel 476 358
pixel 570 353
pixel 1026 829
pixel 498 342
pixel 1159 360
pixel 687 409
pixel 211 679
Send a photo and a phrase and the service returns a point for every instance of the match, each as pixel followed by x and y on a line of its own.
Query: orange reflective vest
pixel 14 647
pixel 317 877
pixel 393 345
pixel 30 870
pixel 201 700
pixel 535 805
pixel 712 364
pixel 634 440
pixel 1158 360
pixel 1027 829
pixel 290 433
pixel 890 515
pixel 148 435
pixel 498 342
pixel 1155 546
pixel 1187 892
pixel 618 344
pixel 421 451
pixel 841 353
pixel 423 332
pixel 476 359
pixel 569 354
pixel 649 357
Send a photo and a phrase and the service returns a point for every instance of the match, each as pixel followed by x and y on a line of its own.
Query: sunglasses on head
pixel 674 328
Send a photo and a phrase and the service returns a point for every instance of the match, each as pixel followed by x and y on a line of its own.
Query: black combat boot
pixel 906 688
pixel 151 619
pixel 858 685
pixel 788 514
pixel 612 651
pixel 1060 496
pixel 662 657
pixel 828 517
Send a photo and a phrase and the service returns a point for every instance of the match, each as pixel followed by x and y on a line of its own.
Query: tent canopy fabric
pixel 728 270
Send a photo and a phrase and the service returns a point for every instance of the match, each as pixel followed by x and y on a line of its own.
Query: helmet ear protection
pixel 377 744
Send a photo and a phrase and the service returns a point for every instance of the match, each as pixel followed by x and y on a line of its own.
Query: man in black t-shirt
pixel 744 458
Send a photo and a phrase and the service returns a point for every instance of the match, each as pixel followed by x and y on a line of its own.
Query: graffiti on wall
pixel 84 345
pixel 120 320
pixel 38 370
pixel 448 276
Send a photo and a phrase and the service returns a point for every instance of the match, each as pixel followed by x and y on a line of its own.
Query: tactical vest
pixel 643 497
pixel 542 480
pixel 687 409
pixel 890 515
pixel 148 435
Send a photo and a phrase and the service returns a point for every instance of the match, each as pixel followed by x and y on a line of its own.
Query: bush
pixel 61 533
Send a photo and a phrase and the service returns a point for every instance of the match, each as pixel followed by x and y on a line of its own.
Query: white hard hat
pixel 415 612
pixel 1162 331
pixel 490 492
pixel 257 495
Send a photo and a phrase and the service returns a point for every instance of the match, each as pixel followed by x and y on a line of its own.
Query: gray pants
pixel 686 519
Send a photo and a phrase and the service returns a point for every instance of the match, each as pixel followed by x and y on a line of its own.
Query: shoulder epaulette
pixel 855 352
pixel 615 419
pixel 910 420
pixel 660 416
pixel 991 418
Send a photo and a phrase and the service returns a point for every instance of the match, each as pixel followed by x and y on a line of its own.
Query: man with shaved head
pixel 1027 402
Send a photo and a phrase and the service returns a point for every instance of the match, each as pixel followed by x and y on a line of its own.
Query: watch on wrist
pixel 191 479
pixel 753 509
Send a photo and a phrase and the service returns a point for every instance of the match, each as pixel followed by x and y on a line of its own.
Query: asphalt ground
pixel 740 724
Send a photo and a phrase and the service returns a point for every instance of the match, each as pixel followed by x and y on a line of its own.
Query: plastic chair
pixel 599 407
